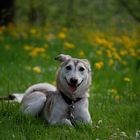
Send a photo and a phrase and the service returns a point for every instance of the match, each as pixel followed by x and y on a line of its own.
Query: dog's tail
pixel 16 97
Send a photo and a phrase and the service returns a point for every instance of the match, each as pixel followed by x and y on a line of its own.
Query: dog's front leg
pixel 58 115
pixel 82 112
pixel 84 116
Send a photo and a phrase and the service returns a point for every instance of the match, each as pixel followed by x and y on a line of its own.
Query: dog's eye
pixel 81 69
pixel 68 68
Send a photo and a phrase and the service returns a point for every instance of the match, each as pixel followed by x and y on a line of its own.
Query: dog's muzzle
pixel 73 84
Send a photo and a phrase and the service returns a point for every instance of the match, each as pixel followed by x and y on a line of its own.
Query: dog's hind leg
pixel 33 103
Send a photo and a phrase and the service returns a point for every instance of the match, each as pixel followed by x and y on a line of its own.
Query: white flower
pixel 123 134
pixel 137 134
pixel 100 121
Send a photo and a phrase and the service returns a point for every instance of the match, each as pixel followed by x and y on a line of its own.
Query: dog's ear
pixel 63 57
pixel 87 63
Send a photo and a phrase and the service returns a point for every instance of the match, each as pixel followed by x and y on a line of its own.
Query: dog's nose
pixel 73 81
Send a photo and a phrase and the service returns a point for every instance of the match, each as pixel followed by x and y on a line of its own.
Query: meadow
pixel 27 57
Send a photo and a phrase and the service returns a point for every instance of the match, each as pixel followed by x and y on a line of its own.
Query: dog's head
pixel 74 76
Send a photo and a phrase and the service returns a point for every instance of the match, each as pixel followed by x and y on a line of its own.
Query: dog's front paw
pixel 67 122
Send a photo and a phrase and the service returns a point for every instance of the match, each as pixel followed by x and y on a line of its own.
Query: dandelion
pixel 36 51
pixel 33 31
pixel 99 65
pixel 123 62
pixel 62 35
pixel 117 97
pixel 117 57
pixel 68 45
pixel 110 62
pixel 49 37
pixel 99 52
pixel 132 52
pixel 108 53
pixel 27 47
pixel 113 49
pixel 126 79
pixel 123 52
pixel 37 69
pixel 33 53
pixel 128 42
pixel 81 54
pixel 113 91
pixel 102 41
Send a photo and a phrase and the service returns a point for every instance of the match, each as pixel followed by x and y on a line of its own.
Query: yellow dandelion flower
pixel 127 79
pixel 99 65
pixel 81 54
pixel 123 62
pixel 103 41
pixel 40 50
pixel 114 91
pixel 37 69
pixel 100 40
pixel 116 56
pixel 123 52
pixel 36 51
pixel 33 31
pixel 33 53
pixel 68 45
pixel 132 52
pixel 99 52
pixel 62 35
pixel 108 53
pixel 27 47
pixel 111 62
pixel 49 36
pixel 128 42
pixel 113 49
pixel 117 98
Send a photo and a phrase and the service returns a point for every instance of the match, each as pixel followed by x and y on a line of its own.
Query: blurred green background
pixel 70 12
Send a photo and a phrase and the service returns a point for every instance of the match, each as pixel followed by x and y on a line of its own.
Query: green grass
pixel 113 111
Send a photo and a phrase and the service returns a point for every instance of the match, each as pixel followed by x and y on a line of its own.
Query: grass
pixel 114 95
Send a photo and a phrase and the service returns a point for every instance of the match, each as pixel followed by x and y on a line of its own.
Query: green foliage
pixel 79 12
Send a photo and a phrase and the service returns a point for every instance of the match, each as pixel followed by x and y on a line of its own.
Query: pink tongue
pixel 72 88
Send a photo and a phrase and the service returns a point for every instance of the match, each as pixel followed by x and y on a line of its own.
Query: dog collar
pixel 68 100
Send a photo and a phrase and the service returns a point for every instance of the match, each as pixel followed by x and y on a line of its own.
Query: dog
pixel 66 103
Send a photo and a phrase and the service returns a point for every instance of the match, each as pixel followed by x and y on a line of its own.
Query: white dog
pixel 68 101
